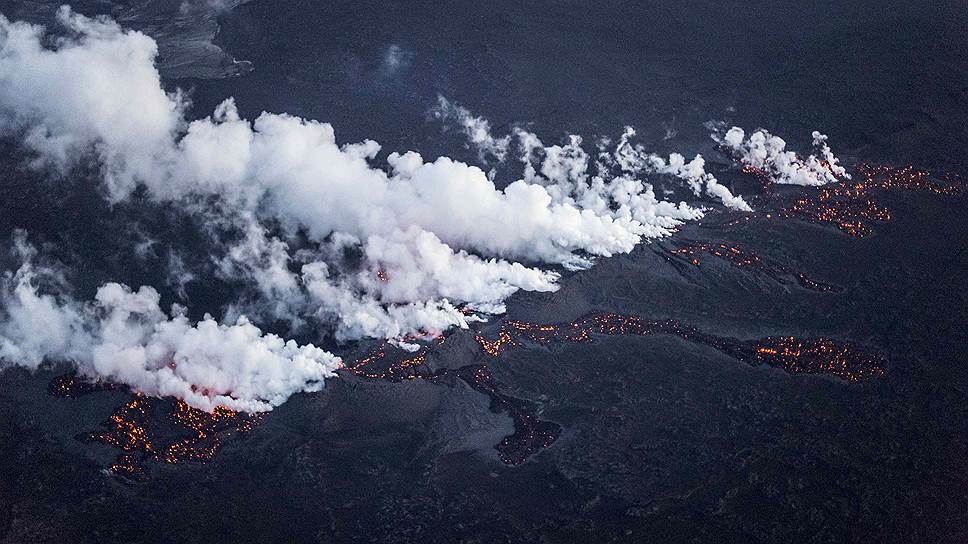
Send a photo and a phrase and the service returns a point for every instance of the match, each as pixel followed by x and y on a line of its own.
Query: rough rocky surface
pixel 659 439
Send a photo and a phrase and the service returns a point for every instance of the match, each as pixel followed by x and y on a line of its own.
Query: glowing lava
pixel 850 205
pixel 820 356
pixel 148 429
pixel 71 386
pixel 812 356
pixel 531 434
pixel 162 430
pixel 909 178
pixel 377 365
pixel 692 252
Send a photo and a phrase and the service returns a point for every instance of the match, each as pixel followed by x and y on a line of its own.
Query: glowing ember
pixel 359 366
pixel 733 254
pixel 849 207
pixel 125 427
pixel 494 347
pixel 908 178
pixel 126 465
pixel 71 386
pixel 762 175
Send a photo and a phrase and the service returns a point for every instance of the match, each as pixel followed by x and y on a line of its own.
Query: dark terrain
pixel 648 436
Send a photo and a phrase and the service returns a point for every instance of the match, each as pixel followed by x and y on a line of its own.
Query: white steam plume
pixel 435 238
pixel 565 169
pixel 434 234
pixel 125 337
pixel 109 99
pixel 768 152
pixel 634 159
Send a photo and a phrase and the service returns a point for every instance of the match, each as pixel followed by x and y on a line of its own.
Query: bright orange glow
pixel 816 356
pixel 144 432
pixel 850 206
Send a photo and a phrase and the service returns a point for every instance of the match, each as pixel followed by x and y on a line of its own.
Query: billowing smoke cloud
pixel 436 243
pixel 123 336
pixel 99 91
pixel 768 153
pixel 433 234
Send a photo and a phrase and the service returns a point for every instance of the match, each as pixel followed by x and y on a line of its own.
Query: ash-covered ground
pixel 678 427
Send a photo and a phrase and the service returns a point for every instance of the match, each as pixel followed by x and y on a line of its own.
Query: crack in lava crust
pixel 796 356
pixel 148 429
pixel 168 431
pixel 690 252
pixel 531 434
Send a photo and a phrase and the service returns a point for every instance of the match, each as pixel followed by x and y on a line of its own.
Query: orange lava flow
pixel 819 356
pixel 148 429
pixel 404 368
pixel 796 356
pixel 909 178
pixel 850 205
pixel 849 208
pixel 145 431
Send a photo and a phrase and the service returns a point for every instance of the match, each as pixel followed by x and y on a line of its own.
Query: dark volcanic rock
pixel 183 29
pixel 622 438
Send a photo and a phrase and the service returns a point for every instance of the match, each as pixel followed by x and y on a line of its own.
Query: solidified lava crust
pixel 691 252
pixel 531 434
pixel 851 205
pixel 162 430
pixel 796 356
pixel 148 429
